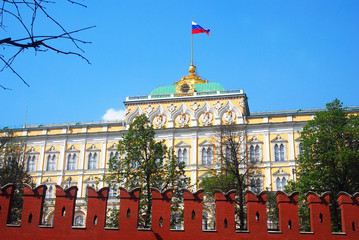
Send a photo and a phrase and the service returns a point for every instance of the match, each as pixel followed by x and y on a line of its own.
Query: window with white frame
pixel 206 149
pixel 112 153
pixel 300 148
pixel 281 183
pixel 255 150
pixel 92 160
pixel 279 148
pixel 72 156
pixel 207 156
pixel 280 177
pixel 256 181
pixel 182 150
pixel 92 157
pixel 182 155
pixel 51 162
pixel 299 145
pixel 71 161
pixel 50 191
pixel 31 163
pixel 79 220
pixel 69 182
pixel 51 159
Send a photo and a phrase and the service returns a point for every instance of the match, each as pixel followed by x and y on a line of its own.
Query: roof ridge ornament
pixel 186 84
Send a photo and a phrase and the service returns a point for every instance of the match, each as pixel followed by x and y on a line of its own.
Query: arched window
pixel 51 163
pixel 209 156
pixel 49 192
pixel 281 183
pixel 251 154
pixel 111 155
pixel 71 161
pixel 228 153
pixel 204 156
pixel 182 155
pixel 279 186
pixel 257 154
pixel 31 163
pixel 276 152
pixel 300 148
pixel 79 220
pixel 255 185
pixel 92 161
pixel 281 152
pixel 284 182
pixel 258 185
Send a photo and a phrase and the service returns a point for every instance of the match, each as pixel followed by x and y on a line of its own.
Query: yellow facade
pixel 188 119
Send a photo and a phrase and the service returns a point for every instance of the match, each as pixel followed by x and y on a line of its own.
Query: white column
pixel 41 158
pixel 79 185
pixel 103 156
pixel 61 162
pixel 82 156
pixel 194 165
pixel 291 146
pixel 267 160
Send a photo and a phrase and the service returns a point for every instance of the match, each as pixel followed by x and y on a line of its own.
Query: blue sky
pixel 286 55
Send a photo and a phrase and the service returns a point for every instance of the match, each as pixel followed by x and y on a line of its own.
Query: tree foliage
pixel 329 159
pixel 146 163
pixel 13 170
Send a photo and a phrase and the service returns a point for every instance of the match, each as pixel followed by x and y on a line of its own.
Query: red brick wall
pixel 193 204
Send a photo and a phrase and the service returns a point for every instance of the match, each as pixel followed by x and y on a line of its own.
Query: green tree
pixel 329 159
pixel 146 163
pixel 13 169
pixel 236 168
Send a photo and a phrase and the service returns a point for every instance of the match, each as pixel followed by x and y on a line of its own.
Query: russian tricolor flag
pixel 198 29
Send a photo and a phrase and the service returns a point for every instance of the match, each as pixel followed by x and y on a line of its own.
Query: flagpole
pixel 191 44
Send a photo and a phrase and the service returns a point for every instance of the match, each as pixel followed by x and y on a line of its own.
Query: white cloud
pixel 113 115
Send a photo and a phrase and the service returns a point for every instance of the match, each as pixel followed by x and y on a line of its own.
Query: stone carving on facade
pixel 171 108
pixel 183 120
pixel 149 109
pixel 206 118
pixel 229 117
pixel 195 106
pixel 242 103
pixel 217 105
pixel 159 121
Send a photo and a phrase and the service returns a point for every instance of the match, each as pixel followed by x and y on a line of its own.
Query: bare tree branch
pixel 19 10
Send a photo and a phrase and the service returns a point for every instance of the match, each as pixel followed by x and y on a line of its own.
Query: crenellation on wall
pixel 30 227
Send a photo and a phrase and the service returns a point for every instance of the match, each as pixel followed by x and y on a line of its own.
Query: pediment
pixel 93 148
pixel 278 138
pixel 52 150
pixel 280 172
pixel 182 144
pixel 206 143
pixel 90 179
pixel 72 149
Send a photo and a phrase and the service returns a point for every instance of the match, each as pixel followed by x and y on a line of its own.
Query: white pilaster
pixel 267 160
pixel 82 156
pixel 103 155
pixel 41 158
pixel 291 145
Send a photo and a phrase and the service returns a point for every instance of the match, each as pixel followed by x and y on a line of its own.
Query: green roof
pixel 202 87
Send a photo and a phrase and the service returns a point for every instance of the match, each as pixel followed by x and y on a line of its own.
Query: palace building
pixel 186 115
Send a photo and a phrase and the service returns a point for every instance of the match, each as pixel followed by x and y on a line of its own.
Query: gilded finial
pixel 192 68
